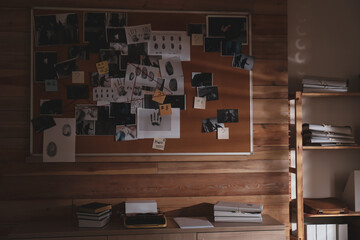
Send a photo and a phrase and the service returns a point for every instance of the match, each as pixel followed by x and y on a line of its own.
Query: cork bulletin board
pixel 234 90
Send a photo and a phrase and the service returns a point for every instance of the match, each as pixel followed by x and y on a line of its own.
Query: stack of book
pixel 319 84
pixel 237 212
pixel 327 135
pixel 94 214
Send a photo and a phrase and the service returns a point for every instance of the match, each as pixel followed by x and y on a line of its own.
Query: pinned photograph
pixel 45 30
pixel 64 69
pixel 44 66
pixel 125 133
pixel 227 115
pixel 50 106
pixel 144 78
pixel 230 48
pixel 59 141
pixel 243 61
pixel 94 30
pixel 105 126
pixel 152 125
pixel 176 101
pixel 171 67
pixel 115 19
pixel 102 80
pixel 159 143
pixel 200 103
pixel 86 115
pixel 194 28
pixel 212 44
pixel 223 133
pixel 77 77
pixel 51 85
pixel 116 35
pixel 77 92
pixel 43 122
pixel 229 27
pixel 211 125
pixel 138 34
pixel 79 52
pixel 123 48
pixel 174 85
pixel 211 93
pixel 152 61
pixel 119 109
pixel 201 79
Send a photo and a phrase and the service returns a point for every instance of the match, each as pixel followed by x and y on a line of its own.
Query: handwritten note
pixel 200 102
pixel 159 143
pixel 77 77
pixel 102 67
pixel 159 96
pixel 223 133
pixel 165 109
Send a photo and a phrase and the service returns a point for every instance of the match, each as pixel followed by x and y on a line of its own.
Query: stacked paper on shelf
pixel 94 214
pixel 321 84
pixel 237 212
pixel 327 135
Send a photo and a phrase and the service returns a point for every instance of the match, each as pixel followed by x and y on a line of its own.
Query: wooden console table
pixel 269 229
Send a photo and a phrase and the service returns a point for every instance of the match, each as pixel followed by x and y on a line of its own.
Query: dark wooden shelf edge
pixel 330 147
pixel 350 214
pixel 347 94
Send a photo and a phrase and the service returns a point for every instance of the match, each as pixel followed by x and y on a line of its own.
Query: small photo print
pixel 86 112
pixel 64 69
pixel 211 93
pixel 229 27
pixel 50 107
pixel 79 52
pixel 194 28
pixel 125 133
pixel 230 48
pixel 115 19
pixel 98 80
pixel 201 79
pixel 116 35
pixel 123 48
pixel 227 115
pixel 138 34
pixel 94 30
pixel 152 61
pixel 243 61
pixel 211 125
pixel 77 92
pixel 44 66
pixel 119 109
pixel 51 85
pixel 212 44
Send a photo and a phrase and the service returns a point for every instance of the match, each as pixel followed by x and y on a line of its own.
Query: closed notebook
pixel 93 223
pixel 193 222
pixel 94 207
pixel 237 206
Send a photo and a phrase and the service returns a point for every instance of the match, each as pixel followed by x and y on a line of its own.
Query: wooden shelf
pixel 347 94
pixel 329 147
pixel 350 214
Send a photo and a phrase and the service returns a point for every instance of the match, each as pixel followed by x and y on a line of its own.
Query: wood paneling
pixel 271 111
pixel 270 72
pixel 270 92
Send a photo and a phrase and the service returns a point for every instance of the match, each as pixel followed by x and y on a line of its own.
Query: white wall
pixel 324 40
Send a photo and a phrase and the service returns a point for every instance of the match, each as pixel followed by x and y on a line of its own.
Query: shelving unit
pixel 298 170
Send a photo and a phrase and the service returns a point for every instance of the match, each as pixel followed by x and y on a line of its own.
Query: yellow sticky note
pixel 102 67
pixel 200 103
pixel 159 96
pixel 165 109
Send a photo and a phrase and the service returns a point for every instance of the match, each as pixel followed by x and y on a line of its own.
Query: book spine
pixel 310 231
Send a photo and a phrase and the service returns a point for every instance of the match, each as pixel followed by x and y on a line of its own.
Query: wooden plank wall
pixel 38 190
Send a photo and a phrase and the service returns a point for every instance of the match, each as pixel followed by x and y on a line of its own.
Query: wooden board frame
pixel 235 153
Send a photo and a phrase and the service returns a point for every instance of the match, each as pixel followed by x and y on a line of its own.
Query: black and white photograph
pixel 201 79
pixel 56 29
pixel 145 76
pixel 122 48
pixel 115 19
pixel 230 48
pixel 86 115
pixel 138 34
pixel 171 67
pixel 122 89
pixel 174 85
pixel 126 119
pixel 116 35
pixel 94 30
pixel 150 124
pixel 119 109
pixel 105 126
pixel 227 115
pixel 59 141
pixel 112 57
pixel 243 61
pixel 212 44
pixel 44 66
pixel 211 93
pixel 166 42
pixel 211 125
pixel 229 27
pixel 77 92
pixel 152 61
pixel 136 51
pixel 50 106
pixel 79 52
pixel 98 80
pixel 149 103
pixel 195 28
pixel 42 123
pixel 176 101
pixel 125 133
pixel 64 69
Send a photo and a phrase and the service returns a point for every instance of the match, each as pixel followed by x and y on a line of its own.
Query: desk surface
pixel 115 227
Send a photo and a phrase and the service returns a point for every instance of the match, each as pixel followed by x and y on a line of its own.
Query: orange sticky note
pixel 159 96
pixel 165 109
pixel 102 67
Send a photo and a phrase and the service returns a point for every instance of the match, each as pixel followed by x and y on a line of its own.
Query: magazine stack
pixel 94 215
pixel 327 135
pixel 237 212
pixel 320 84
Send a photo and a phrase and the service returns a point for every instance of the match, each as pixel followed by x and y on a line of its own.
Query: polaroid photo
pixel 59 141
pixel 44 66
pixel 211 125
pixel 227 115
pixel 223 133
pixel 77 92
pixel 125 133
pixel 230 48
pixel 51 85
pixel 151 125
pixel 100 80
pixel 159 143
pixel 94 30
pixel 79 52
pixel 229 27
pixel 116 19
pixel 201 79
pixel 138 34
pixel 243 61
pixel 50 106
pixel 152 61
pixel 211 93
pixel 212 44
pixel 174 85
pixel 64 69
pixel 42 123
pixel 171 67
pixel 122 89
